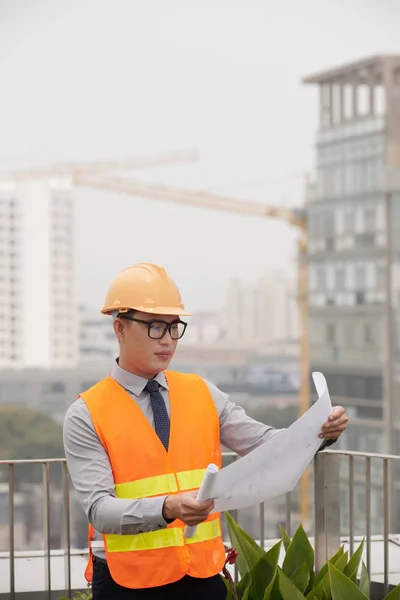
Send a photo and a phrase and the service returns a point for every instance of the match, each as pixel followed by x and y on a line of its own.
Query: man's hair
pixel 130 313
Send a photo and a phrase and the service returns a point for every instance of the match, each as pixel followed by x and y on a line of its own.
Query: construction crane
pixel 211 201
pixel 74 170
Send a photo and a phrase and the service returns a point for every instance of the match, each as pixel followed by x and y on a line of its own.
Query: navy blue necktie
pixel 161 418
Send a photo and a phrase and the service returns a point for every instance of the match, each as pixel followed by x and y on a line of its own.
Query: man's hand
pixel 186 508
pixel 336 424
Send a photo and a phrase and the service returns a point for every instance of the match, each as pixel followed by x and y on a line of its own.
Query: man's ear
pixel 119 328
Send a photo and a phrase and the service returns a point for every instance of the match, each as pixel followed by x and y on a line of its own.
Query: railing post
pixel 288 520
pixel 327 507
pixel 47 533
pixel 67 528
pixel 11 518
pixel 236 519
pixel 262 525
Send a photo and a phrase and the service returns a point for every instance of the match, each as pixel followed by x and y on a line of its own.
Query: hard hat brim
pixel 158 310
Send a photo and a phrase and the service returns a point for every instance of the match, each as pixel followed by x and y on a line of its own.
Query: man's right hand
pixel 186 508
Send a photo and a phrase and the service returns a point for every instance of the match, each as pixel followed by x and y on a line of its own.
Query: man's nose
pixel 166 339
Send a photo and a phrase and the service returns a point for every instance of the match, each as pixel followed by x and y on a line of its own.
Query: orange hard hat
pixel 145 287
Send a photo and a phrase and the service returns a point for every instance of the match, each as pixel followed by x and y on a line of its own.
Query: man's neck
pixel 126 366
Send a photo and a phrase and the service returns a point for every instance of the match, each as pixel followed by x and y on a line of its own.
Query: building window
pixel 329 224
pixel 348 222
pixel 349 334
pixel 348 178
pixel 330 333
pixel 360 298
pixel 380 277
pixel 364 240
pixel 321 278
pixel 321 183
pixel 338 177
pixel 360 278
pixel 340 278
pixel 316 226
pixel 329 243
pixel 369 219
pixel 369 333
pixel 376 168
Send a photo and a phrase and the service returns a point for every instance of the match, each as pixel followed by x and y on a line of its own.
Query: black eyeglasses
pixel 157 329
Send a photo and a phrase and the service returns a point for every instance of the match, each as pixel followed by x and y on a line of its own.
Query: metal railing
pixel 366 473
pixel 339 478
pixel 45 466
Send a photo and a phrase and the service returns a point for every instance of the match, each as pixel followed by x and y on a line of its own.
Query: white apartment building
pixel 262 313
pixel 37 298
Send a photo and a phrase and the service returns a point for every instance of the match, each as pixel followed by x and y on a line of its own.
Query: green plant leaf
pixel 332 560
pixel 301 577
pixel 249 552
pixel 272 591
pixel 229 592
pixel 394 594
pixel 364 580
pixel 342 587
pixel 311 583
pixel 268 590
pixel 246 594
pixel 285 538
pixel 287 588
pixel 353 565
pixel 323 589
pixel 243 585
pixel 299 551
pixel 261 575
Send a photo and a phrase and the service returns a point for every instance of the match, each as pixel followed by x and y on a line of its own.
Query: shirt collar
pixel 133 383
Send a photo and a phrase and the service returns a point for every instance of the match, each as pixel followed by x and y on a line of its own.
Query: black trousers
pixel 187 588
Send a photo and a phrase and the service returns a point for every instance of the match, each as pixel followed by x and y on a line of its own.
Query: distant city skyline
pixel 224 78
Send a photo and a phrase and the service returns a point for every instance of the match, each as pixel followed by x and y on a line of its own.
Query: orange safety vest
pixel 142 468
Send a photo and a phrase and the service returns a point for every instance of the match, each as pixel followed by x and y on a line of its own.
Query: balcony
pixel 43 550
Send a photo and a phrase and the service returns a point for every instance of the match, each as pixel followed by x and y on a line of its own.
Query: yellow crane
pixel 211 201
pixel 74 170
pixel 91 175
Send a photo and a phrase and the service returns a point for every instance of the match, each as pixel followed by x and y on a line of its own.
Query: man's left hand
pixel 335 425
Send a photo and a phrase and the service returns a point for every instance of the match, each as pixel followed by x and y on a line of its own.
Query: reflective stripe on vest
pixel 172 536
pixel 189 480
pixel 160 484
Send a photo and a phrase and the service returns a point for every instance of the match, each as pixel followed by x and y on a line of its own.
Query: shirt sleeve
pixel 92 477
pixel 239 432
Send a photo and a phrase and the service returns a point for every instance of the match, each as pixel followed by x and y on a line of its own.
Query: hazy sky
pixel 85 80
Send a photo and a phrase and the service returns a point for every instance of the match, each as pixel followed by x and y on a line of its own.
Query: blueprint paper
pixel 203 494
pixel 275 467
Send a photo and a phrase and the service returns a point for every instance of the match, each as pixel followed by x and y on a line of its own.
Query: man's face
pixel 139 353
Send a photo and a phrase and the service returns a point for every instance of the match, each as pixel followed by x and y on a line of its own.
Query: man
pixel 137 445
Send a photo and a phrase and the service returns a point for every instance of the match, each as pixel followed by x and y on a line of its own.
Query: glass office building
pixel 354 250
